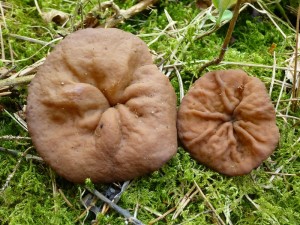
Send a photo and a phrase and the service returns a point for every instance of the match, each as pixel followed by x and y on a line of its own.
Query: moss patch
pixel 269 195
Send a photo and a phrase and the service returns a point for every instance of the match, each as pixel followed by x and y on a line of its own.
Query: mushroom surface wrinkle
pixel 99 108
pixel 227 122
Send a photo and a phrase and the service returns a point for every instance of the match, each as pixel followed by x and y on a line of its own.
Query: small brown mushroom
pixel 227 122
pixel 99 108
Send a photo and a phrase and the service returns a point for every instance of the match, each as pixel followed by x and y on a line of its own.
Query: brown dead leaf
pixel 203 4
pixel 55 16
pixel 90 21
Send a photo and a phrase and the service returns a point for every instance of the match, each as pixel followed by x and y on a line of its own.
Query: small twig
pixel 43 47
pixel 65 198
pixel 16 81
pixel 54 189
pixel 10 176
pixel 296 83
pixel 114 206
pixel 2 14
pixel 117 197
pixel 262 6
pixel 162 216
pixel 273 73
pixel 287 116
pixel 181 88
pixel 185 201
pixel 87 208
pixel 281 92
pixel 17 153
pixel 10 137
pixel 5 93
pixel 252 202
pixel 294 157
pixel 287 100
pixel 209 204
pixel 17 119
pixel 135 214
pixel 126 14
pixel 7 72
pixel 5 26
pixel 30 39
pixel 152 211
pixel 215 28
pixel 107 5
pixel 231 63
pixel 119 15
pixel 227 38
pixel 29 70
pixel 283 174
pixel 2 44
pixel 38 7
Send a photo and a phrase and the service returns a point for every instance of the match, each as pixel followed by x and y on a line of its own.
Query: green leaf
pixel 227 15
pixel 216 3
pixel 212 18
pixel 222 5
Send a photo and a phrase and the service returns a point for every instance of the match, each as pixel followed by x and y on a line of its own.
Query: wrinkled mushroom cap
pixel 227 122
pixel 98 108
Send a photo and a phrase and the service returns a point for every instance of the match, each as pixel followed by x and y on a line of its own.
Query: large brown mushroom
pixel 99 108
pixel 227 122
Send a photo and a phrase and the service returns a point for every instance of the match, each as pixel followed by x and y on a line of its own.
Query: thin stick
pixel 5 93
pixel 185 201
pixel 296 82
pixel 17 153
pixel 227 38
pixel 29 39
pixel 2 44
pixel 209 204
pixel 126 14
pixel 283 174
pixel 252 202
pixel 273 73
pixel 231 63
pixel 10 176
pixel 38 7
pixel 29 70
pixel 11 137
pixel 162 216
pixel 181 89
pixel 262 6
pixel 152 211
pixel 65 198
pixel 16 81
pixel 5 26
pixel 17 119
pixel 120 210
pixel 2 14
pixel 8 71
pixel 281 93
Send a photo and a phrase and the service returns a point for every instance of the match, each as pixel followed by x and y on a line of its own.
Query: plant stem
pixel 227 38
pixel 296 83
pixel 16 81
pixel 114 206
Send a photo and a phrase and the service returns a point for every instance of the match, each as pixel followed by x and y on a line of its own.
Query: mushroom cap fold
pixel 99 108
pixel 227 122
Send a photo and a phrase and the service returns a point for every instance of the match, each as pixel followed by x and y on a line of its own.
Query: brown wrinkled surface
pixel 227 122
pixel 98 108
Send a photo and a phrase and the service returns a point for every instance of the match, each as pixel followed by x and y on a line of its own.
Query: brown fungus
pixel 99 108
pixel 227 122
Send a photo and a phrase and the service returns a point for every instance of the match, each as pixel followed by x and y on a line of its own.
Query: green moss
pixel 32 195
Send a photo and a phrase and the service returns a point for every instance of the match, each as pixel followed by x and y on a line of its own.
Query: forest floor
pixel 183 191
